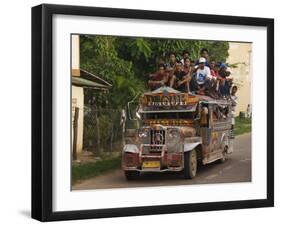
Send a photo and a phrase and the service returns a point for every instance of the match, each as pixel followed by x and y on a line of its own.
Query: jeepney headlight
pixel 173 133
pixel 143 132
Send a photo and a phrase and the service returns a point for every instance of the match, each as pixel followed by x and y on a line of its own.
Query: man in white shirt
pixel 202 75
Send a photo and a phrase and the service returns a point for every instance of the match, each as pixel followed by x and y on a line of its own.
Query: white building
pixel 241 54
pixel 81 80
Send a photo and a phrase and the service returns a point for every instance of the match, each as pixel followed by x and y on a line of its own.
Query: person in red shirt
pixel 188 70
pixel 158 79
pixel 212 69
pixel 185 54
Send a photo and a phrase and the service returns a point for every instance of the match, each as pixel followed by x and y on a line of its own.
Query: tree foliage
pixel 125 62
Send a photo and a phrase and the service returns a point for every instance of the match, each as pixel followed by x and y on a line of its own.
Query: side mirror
pixel 132 110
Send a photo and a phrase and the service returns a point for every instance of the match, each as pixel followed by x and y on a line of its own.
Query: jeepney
pixel 175 132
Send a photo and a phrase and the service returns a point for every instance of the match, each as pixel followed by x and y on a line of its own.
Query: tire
pixel 224 152
pixel 190 164
pixel 131 175
pixel 224 156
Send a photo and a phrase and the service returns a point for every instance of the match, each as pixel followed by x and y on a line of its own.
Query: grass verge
pixel 242 125
pixel 92 169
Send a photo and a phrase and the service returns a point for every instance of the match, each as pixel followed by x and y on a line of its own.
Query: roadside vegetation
pixel 92 169
pixel 242 125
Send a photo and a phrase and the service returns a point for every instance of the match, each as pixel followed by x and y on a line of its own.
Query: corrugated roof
pixel 90 76
pixel 78 81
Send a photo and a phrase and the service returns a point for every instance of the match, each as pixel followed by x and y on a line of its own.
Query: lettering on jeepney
pixel 165 100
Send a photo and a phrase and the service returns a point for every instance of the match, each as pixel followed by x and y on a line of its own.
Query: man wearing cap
pixel 202 75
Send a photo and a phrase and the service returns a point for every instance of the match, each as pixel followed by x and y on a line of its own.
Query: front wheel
pixel 190 164
pixel 131 175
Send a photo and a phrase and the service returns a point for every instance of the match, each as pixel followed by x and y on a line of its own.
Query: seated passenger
pixel 188 69
pixel 215 81
pixel 222 76
pixel 216 74
pixel 160 78
pixel 212 65
pixel 202 76
pixel 204 53
pixel 187 65
pixel 225 80
pixel 172 61
pixel 185 54
pixel 179 80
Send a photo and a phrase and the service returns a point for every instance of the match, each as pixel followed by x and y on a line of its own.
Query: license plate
pixel 151 164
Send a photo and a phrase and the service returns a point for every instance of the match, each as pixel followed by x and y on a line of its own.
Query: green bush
pixel 242 125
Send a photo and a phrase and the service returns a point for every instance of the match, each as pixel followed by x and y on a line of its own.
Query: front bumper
pixel 168 161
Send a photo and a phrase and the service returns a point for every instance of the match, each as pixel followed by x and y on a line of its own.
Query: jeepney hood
pixel 187 131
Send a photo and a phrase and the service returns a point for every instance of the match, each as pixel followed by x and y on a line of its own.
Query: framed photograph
pixel 145 112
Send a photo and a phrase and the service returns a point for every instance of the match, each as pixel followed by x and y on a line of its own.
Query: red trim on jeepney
pixel 169 161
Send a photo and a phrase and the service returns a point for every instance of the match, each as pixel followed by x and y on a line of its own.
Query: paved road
pixel 237 168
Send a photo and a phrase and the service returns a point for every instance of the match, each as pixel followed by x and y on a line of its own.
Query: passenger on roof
pixel 212 66
pixel 204 53
pixel 217 75
pixel 172 61
pixel 160 78
pixel 188 70
pixel 214 81
pixel 202 76
pixel 180 79
pixel 185 54
pixel 225 80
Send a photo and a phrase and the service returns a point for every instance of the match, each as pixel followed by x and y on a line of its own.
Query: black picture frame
pixel 42 108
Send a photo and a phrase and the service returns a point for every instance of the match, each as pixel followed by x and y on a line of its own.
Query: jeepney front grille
pixel 157 136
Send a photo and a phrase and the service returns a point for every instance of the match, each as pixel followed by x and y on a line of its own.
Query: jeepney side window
pixel 220 112
pixel 215 114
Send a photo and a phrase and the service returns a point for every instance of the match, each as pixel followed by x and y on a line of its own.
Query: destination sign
pixel 168 100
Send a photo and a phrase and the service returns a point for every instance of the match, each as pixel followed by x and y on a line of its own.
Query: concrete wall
pixel 78 101
pixel 77 92
pixel 75 59
pixel 241 53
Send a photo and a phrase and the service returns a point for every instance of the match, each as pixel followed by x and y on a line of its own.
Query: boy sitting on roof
pixel 202 76
pixel 180 80
pixel 160 78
